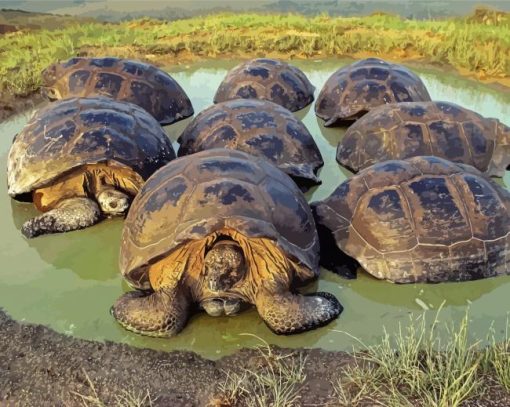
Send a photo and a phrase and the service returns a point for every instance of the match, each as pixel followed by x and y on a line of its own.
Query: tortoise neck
pixel 225 242
pixel 225 265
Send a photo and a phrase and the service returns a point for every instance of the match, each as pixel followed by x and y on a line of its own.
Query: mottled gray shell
pixel 121 79
pixel 355 89
pixel 73 132
pixel 420 219
pixel 267 79
pixel 442 129
pixel 260 128
pixel 192 197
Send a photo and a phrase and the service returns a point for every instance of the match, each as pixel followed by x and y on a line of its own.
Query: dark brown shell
pixel 121 79
pixel 442 129
pixel 73 132
pixel 260 128
pixel 355 89
pixel 192 197
pixel 267 79
pixel 420 219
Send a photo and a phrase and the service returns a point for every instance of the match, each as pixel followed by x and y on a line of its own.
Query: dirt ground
pixel 39 367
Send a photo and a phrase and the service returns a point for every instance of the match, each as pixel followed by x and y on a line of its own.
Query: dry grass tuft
pixel 127 398
pixel 274 382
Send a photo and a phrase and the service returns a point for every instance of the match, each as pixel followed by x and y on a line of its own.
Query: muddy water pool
pixel 68 282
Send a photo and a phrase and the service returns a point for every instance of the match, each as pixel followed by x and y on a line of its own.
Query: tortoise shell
pixel 192 197
pixel 121 79
pixel 71 133
pixel 420 219
pixel 260 128
pixel 410 129
pixel 355 89
pixel 267 79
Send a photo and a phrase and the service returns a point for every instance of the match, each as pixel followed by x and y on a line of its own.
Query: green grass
pixel 417 367
pixel 497 360
pixel 471 44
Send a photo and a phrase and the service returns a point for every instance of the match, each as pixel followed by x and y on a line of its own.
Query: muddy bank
pixel 38 364
pixel 11 105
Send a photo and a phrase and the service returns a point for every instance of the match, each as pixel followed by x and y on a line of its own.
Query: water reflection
pixel 423 296
pixel 72 251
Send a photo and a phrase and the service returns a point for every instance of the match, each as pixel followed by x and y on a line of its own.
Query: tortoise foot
pixel 70 214
pixel 156 314
pixel 293 313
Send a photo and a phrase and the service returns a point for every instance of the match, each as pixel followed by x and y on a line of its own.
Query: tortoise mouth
pixel 224 305
pixel 224 296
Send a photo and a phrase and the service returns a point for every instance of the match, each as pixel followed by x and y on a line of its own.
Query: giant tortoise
pixel 79 159
pixel 219 229
pixel 267 79
pixel 353 90
pixel 260 128
pixel 424 219
pixel 443 129
pixel 121 79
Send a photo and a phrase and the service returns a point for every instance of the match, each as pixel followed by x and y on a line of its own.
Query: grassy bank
pixel 475 45
pixel 416 367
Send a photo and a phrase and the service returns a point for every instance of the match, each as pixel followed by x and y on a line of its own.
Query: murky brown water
pixel 69 281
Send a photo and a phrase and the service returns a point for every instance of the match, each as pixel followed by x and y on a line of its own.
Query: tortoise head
pixel 503 134
pixel 113 202
pixel 224 265
pixel 49 79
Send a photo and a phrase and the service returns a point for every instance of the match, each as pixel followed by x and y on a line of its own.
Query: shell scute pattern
pixel 420 219
pixel 256 120
pixel 443 129
pixel 77 80
pixel 354 90
pixel 189 199
pixel 120 79
pixel 260 128
pixel 267 79
pixel 73 132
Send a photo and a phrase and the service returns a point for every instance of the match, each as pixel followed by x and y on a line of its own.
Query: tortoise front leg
pixel 162 313
pixel 69 214
pixel 286 313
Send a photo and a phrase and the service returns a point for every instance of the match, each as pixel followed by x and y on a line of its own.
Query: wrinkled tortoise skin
pixel 70 133
pixel 424 219
pixel 355 89
pixel 121 79
pixel 192 197
pixel 442 129
pixel 267 79
pixel 260 128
